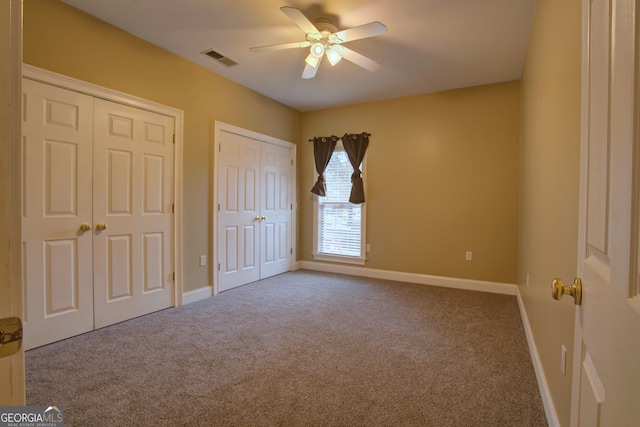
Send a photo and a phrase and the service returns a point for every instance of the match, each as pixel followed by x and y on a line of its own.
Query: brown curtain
pixel 322 150
pixel 356 146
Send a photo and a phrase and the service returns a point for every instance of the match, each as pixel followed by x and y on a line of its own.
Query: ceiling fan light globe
pixel 317 49
pixel 312 60
pixel 333 56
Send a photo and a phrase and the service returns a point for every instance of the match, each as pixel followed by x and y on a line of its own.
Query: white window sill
pixel 339 258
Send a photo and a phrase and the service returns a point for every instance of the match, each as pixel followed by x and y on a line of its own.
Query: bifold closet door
pixel 239 211
pixel 132 211
pixel 254 212
pixel 97 212
pixel 57 247
pixel 276 209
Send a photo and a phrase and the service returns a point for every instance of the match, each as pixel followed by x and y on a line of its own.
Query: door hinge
pixel 218 266
pixel 291 162
pixel 220 147
pixel 218 207
pixel 173 276
pixel 174 138
pixel 173 208
pixel 291 251
pixel 10 336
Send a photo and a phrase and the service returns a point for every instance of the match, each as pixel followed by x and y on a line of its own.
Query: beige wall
pixel 442 180
pixel 445 170
pixel 62 39
pixel 458 149
pixel 550 184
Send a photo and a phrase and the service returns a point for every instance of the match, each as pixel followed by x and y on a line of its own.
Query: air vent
pixel 220 58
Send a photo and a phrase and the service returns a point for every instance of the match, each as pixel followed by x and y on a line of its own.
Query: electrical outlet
pixel 468 256
pixel 563 360
pixel 203 260
pixel 368 248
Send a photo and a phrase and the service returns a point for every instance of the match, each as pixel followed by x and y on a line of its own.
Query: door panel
pixel 153 261
pixel 60 284
pixel 119 258
pixel 154 170
pixel 133 194
pixel 238 211
pixel 276 207
pixel 119 183
pixel 607 349
pixel 61 176
pixel 57 197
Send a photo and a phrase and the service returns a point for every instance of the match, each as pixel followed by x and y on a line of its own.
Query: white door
pixel 97 212
pixel 132 212
pixel 57 199
pixel 254 209
pixel 276 207
pixel 239 211
pixel 607 348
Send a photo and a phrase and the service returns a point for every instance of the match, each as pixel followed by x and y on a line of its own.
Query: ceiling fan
pixel 323 38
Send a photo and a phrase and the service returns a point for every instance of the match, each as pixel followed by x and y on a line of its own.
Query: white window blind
pixel 339 222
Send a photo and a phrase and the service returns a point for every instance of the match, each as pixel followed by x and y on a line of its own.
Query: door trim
pixel 69 83
pixel 225 127
pixel 12 367
pixel 582 217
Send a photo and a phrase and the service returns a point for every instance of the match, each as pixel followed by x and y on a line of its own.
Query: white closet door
pixel 239 209
pixel 275 247
pixel 254 209
pixel 57 197
pixel 133 197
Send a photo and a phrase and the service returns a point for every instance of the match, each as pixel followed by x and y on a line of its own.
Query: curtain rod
pixel 366 133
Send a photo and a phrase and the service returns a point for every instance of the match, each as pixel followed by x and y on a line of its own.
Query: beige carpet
pixel 301 349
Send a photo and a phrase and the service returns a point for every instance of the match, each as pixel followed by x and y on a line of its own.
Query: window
pixel 339 232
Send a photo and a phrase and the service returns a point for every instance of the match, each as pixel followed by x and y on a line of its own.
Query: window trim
pixel 346 259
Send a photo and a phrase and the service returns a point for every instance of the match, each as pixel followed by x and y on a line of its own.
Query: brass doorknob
pixel 558 289
pixel 263 218
pixel 85 227
pixel 101 226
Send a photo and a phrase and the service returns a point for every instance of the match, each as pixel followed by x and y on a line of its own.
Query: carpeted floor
pixel 301 349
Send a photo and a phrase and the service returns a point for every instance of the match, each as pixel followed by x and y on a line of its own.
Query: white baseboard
pixel 422 279
pixel 545 392
pixel 197 295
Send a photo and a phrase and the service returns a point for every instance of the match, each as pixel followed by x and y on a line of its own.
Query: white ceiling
pixel 431 45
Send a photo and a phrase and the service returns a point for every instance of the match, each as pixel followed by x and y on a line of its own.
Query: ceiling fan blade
pixel 371 29
pixel 309 71
pixel 301 21
pixel 356 58
pixel 280 46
